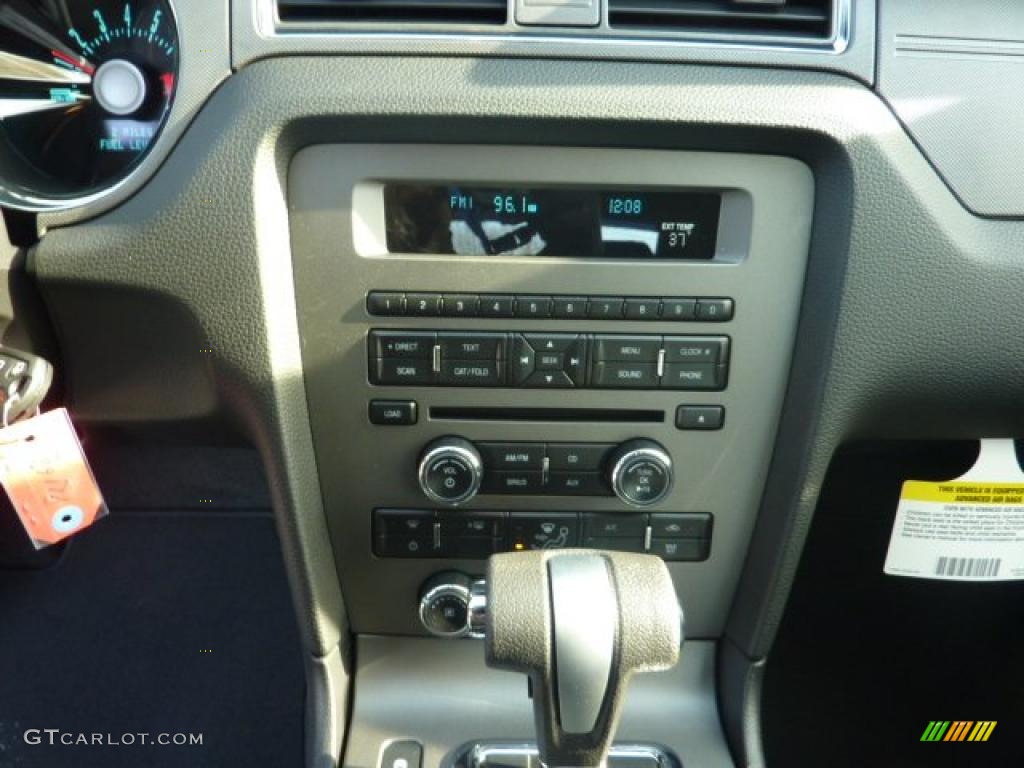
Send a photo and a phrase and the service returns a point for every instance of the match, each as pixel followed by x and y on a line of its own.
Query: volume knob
pixel 641 472
pixel 450 471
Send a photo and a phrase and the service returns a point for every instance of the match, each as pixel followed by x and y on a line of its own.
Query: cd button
pixel 577 457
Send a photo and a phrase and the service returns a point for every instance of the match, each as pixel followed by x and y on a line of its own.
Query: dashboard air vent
pixel 426 11
pixel 800 19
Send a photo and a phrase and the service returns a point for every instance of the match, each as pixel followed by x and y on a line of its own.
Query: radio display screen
pixel 551 221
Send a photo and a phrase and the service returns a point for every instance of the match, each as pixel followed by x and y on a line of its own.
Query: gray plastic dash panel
pixel 336 224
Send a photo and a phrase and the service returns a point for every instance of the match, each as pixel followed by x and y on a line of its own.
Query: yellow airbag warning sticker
pixel 967 529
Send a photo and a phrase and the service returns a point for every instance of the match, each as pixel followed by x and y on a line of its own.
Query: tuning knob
pixel 450 471
pixel 641 472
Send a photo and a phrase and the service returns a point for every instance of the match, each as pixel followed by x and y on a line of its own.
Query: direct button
pixel 394 413
pixel 404 344
pixel 629 349
pixel 502 456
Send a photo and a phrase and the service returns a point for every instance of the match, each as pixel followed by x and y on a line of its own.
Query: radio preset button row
pixel 472 535
pixel 685 309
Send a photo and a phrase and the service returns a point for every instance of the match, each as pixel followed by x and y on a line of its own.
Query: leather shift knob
pixel 580 623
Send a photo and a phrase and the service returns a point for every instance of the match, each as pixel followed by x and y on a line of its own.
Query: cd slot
pixel 549 415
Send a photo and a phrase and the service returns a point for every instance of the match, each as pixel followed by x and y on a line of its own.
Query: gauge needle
pixel 18 107
pixel 14 67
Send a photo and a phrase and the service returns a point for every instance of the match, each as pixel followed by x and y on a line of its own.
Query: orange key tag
pixel 48 479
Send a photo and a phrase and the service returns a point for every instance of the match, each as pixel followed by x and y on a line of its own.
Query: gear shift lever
pixel 580 623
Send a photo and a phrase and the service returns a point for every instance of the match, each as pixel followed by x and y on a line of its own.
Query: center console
pixel 518 348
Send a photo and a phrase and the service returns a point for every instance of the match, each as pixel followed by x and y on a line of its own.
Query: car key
pixel 25 380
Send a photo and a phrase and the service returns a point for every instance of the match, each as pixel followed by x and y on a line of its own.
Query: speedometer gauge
pixel 85 88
